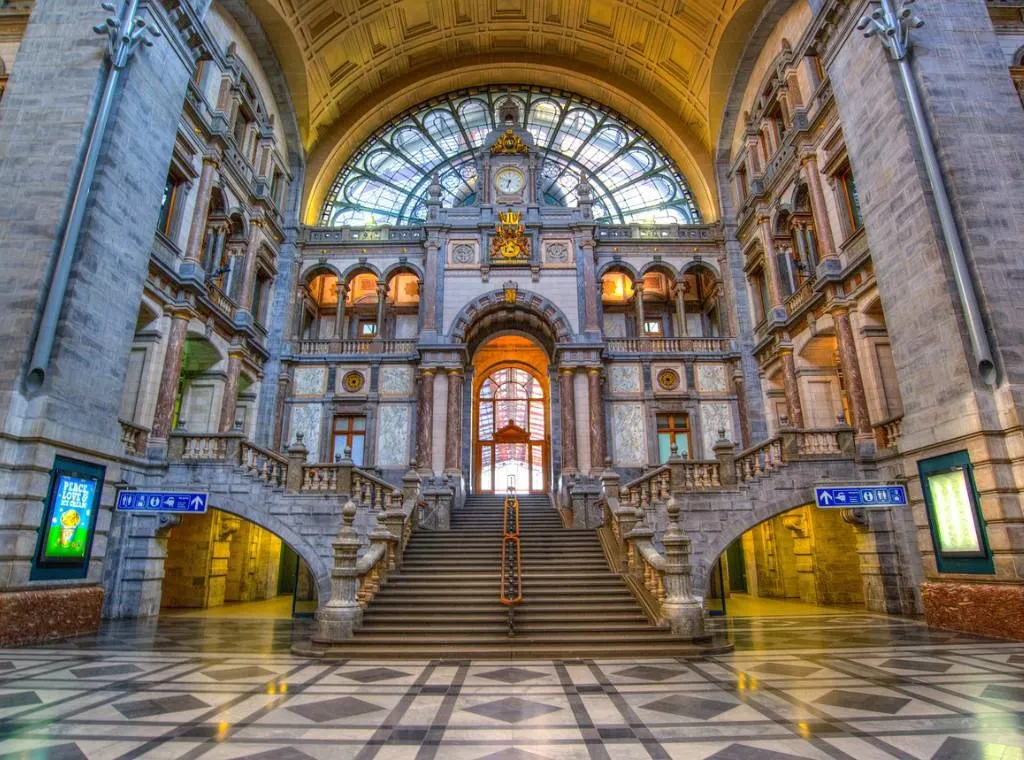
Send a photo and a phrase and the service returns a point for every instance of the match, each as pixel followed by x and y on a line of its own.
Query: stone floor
pixel 830 686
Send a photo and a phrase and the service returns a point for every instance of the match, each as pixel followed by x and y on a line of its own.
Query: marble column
pixel 283 381
pixel 680 292
pixel 591 291
pixel 341 289
pixel 428 301
pixel 822 225
pixel 638 302
pixel 453 430
pixel 597 438
pixel 567 400
pixel 249 268
pixel 300 299
pixel 791 387
pixel 425 422
pixel 171 374
pixel 741 402
pixel 230 400
pixel 197 232
pixel 382 299
pixel 851 372
pixel 771 264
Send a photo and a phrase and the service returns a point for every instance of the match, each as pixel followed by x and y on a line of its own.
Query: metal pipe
pixel 124 36
pixel 893 27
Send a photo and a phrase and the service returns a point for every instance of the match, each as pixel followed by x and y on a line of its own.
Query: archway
pixel 511 416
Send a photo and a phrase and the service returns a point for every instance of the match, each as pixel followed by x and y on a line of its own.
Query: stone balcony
pixel 670 345
pixel 374 347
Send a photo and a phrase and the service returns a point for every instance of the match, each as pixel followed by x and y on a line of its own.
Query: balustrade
pixel 381 346
pixel 888 433
pixel 669 345
pixel 817 442
pixel 133 438
pixel 263 464
pixel 760 460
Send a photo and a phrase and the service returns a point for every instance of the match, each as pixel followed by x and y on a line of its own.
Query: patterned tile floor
pixel 832 686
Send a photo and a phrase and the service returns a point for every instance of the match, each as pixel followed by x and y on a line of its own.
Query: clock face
pixel 509 180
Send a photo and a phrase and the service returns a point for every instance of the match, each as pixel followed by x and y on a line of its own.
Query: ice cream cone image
pixel 68 523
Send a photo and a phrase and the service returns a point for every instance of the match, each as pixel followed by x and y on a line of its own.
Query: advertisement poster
pixel 71 520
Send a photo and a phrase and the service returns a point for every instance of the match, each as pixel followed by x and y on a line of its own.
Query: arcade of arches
pixel 342 273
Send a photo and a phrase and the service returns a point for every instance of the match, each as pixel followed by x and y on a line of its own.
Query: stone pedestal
pixel 341 616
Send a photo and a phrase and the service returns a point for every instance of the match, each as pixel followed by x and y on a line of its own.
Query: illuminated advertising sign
pixel 69 520
pixel 954 515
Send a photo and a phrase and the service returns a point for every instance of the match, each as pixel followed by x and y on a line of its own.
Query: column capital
pixel 454 372
pixel 211 160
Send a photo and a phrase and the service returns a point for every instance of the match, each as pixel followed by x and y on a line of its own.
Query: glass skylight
pixel 386 181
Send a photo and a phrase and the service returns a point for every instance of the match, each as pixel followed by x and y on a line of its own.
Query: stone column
pixel 567 400
pixel 425 422
pixel 382 299
pixel 227 407
pixel 596 419
pixel 792 389
pixel 197 231
pixel 283 381
pixel 851 372
pixel 822 225
pixel 771 265
pixel 171 374
pixel 428 302
pixel 638 302
pixel 591 291
pixel 249 269
pixel 453 432
pixel 741 401
pixel 681 307
pixel 339 318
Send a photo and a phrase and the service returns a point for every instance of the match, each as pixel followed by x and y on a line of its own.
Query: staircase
pixel 444 600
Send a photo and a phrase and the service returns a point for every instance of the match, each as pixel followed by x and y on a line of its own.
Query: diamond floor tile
pixel 511 675
pixel 373 675
pixel 332 709
pixel 684 706
pixel 876 703
pixel 648 673
pixel 513 709
pixel 148 708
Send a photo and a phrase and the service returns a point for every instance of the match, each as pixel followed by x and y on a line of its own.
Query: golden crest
pixel 510 244
pixel 509 144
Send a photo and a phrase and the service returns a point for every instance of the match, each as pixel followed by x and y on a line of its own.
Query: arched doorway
pixel 511 416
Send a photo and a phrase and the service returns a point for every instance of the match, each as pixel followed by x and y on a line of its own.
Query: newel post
pixel 339 618
pixel 725 453
pixel 681 610
pixel 296 461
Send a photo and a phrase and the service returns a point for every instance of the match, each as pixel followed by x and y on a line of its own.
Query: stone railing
pixel 133 438
pixel 325 235
pixel 669 345
pixel 800 296
pixel 816 443
pixel 758 461
pixel 375 346
pixel 220 299
pixel 263 464
pixel 705 232
pixel 888 433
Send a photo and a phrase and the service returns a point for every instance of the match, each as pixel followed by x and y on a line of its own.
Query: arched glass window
pixel 386 181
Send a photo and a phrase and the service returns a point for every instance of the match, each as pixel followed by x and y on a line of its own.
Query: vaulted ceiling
pixel 354 64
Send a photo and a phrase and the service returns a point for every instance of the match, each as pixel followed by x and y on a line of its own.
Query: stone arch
pixel 254 512
pixel 692 265
pixel 360 267
pixel 399 268
pixel 316 269
pixel 621 266
pixel 660 266
pixel 490 313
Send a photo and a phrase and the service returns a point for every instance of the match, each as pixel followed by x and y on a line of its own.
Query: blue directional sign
pixel 161 501
pixel 861 497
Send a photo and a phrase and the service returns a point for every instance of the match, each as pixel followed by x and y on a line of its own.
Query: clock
pixel 509 181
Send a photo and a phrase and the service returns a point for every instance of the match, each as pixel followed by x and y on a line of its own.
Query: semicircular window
pixel 387 179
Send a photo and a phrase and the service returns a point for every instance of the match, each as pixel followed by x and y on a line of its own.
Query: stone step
pixel 513 649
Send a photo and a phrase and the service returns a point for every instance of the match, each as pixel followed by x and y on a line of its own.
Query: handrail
pixel 511 558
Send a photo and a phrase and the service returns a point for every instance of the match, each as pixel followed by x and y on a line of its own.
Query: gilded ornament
pixel 510 245
pixel 509 144
pixel 668 379
pixel 353 381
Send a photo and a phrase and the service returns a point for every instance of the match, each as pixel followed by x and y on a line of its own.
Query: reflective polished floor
pixel 837 685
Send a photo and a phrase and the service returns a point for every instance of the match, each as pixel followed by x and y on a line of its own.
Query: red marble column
pixel 771 264
pixel 453 431
pixel 791 388
pixel 597 447
pixel 249 268
pixel 822 225
pixel 279 407
pixel 230 400
pixel 851 372
pixel 567 400
pixel 425 422
pixel 171 374
pixel 197 232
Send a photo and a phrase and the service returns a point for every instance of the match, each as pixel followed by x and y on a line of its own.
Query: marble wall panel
pixel 310 381
pixel 628 436
pixel 306 419
pixel 393 435
pixel 625 378
pixel 615 325
pixel 715 416
pixel 711 378
pixel 395 381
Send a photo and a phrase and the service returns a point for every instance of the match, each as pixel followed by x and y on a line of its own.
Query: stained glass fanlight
pixel 386 181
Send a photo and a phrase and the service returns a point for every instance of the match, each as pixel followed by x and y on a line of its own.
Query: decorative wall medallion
pixel 668 379
pixel 510 245
pixel 353 381
pixel 463 253
pixel 557 253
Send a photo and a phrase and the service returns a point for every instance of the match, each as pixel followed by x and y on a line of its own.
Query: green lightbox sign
pixel 954 517
pixel 69 520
